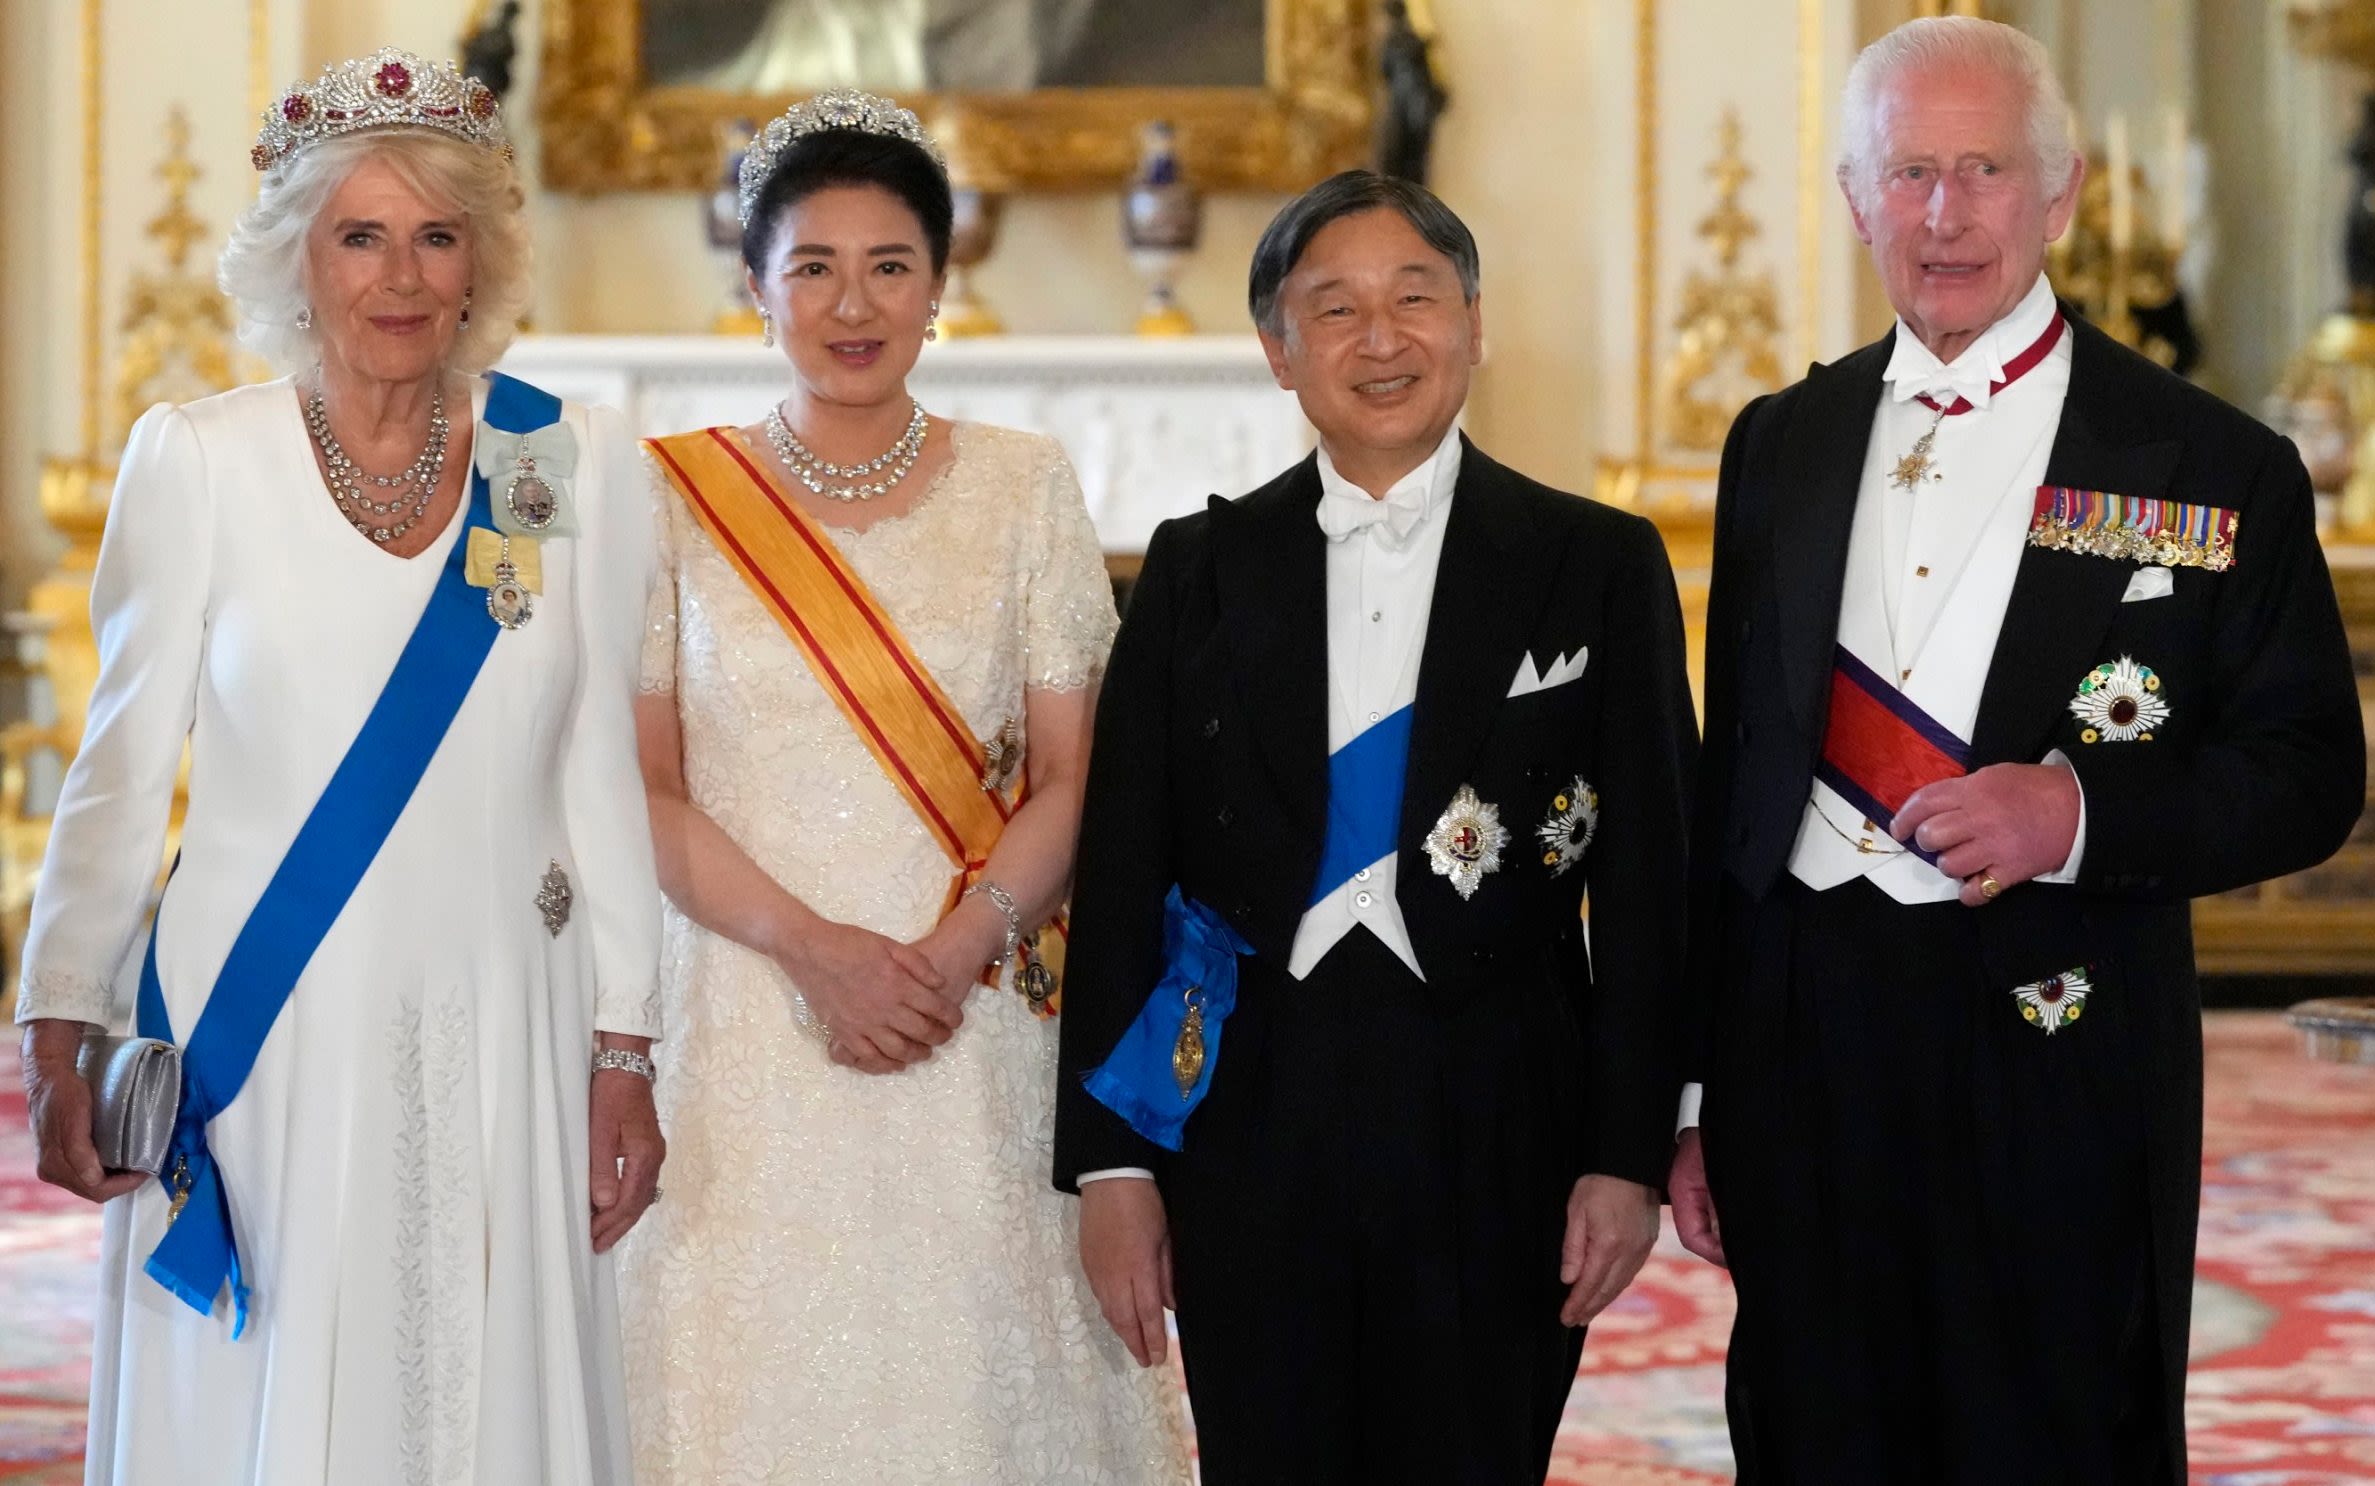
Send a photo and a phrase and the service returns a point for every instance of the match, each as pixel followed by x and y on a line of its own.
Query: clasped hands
pixel 2004 824
pixel 885 1004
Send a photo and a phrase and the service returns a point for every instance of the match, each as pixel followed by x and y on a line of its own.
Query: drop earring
pixel 465 321
pixel 766 329
pixel 305 318
pixel 932 325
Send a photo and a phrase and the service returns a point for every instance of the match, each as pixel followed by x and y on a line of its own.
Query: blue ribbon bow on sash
pixel 1138 1081
pixel 309 890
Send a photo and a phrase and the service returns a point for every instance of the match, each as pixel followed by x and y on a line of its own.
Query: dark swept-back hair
pixel 851 157
pixel 1348 194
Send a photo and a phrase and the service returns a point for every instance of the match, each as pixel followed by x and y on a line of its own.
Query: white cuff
pixel 1687 1115
pixel 2069 868
pixel 1111 1172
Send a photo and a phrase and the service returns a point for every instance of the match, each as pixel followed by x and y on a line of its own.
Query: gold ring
pixel 1988 886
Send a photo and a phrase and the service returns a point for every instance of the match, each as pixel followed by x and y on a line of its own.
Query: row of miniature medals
pixel 531 499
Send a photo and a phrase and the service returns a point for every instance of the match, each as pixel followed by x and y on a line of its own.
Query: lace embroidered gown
pixel 857 1278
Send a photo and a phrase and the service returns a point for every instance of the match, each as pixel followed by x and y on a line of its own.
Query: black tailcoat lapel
pixel 2064 602
pixel 1270 571
pixel 1489 588
pixel 1812 509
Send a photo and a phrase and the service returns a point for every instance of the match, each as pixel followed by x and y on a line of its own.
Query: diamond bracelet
pixel 625 1062
pixel 1003 901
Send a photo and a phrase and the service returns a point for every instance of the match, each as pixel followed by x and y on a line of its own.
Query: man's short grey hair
pixel 1348 194
pixel 263 267
pixel 1947 43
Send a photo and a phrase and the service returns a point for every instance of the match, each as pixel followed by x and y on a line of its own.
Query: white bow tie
pixel 1343 513
pixel 1944 384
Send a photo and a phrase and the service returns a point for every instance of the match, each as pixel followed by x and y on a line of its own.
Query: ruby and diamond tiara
pixel 389 89
pixel 835 108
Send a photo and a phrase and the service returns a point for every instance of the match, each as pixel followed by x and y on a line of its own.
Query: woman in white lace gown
pixel 861 1272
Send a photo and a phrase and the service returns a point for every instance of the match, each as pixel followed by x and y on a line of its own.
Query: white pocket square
pixel 2149 583
pixel 1558 673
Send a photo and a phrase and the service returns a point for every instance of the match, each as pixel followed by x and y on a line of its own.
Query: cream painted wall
pixel 1517 159
pixel 1538 154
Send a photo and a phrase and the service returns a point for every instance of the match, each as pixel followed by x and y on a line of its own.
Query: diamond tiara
pixel 835 108
pixel 389 89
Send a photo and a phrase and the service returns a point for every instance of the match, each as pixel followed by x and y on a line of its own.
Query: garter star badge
pixel 1466 842
pixel 2119 702
pixel 2054 1001
pixel 1567 834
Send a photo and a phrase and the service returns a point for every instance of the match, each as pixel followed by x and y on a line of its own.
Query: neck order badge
pixel 1915 467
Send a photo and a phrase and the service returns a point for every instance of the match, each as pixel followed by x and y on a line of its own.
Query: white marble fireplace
pixel 1153 425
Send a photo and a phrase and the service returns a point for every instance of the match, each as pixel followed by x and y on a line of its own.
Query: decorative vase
pixel 722 227
pixel 1162 218
pixel 972 235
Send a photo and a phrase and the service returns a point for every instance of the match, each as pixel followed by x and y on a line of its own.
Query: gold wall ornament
pixel 2114 261
pixel 177 330
pixel 605 127
pixel 1729 320
pixel 2343 30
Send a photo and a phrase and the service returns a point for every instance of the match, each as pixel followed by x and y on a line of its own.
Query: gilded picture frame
pixel 604 127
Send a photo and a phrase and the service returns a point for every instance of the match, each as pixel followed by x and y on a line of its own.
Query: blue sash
pixel 1200 953
pixel 333 849
pixel 1364 801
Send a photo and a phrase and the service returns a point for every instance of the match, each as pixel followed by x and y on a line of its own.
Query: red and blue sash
pixel 1878 748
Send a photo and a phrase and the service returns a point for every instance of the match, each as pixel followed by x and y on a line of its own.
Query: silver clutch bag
pixel 135 1097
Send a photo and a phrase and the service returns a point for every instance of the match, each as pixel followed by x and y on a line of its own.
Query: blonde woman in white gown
pixel 862 1273
pixel 419 1167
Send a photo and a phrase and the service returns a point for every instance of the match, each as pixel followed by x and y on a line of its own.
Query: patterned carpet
pixel 2283 1389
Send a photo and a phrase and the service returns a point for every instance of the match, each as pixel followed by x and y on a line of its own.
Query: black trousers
pixel 1366 1220
pixel 1936 1215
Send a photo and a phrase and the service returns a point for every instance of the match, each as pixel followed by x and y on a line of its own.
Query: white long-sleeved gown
pixel 407 1163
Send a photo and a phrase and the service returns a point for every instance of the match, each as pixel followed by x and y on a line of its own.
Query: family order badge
pixel 2119 702
pixel 2055 1000
pixel 1567 834
pixel 1466 842
pixel 510 570
pixel 528 477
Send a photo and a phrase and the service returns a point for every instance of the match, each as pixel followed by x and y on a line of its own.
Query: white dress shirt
pixel 1382 555
pixel 1930 572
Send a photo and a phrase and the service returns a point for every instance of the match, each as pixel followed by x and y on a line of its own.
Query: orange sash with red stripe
pixel 866 666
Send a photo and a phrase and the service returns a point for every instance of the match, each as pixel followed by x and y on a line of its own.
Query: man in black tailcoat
pixel 2016 644
pixel 1381 724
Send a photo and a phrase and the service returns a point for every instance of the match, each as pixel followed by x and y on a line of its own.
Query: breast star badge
pixel 2054 1002
pixel 2119 701
pixel 1567 834
pixel 1466 842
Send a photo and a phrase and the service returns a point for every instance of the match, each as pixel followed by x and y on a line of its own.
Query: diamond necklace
pixel 414 486
pixel 815 473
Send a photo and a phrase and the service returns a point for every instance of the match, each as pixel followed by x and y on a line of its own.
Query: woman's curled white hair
pixel 263 267
pixel 1955 42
